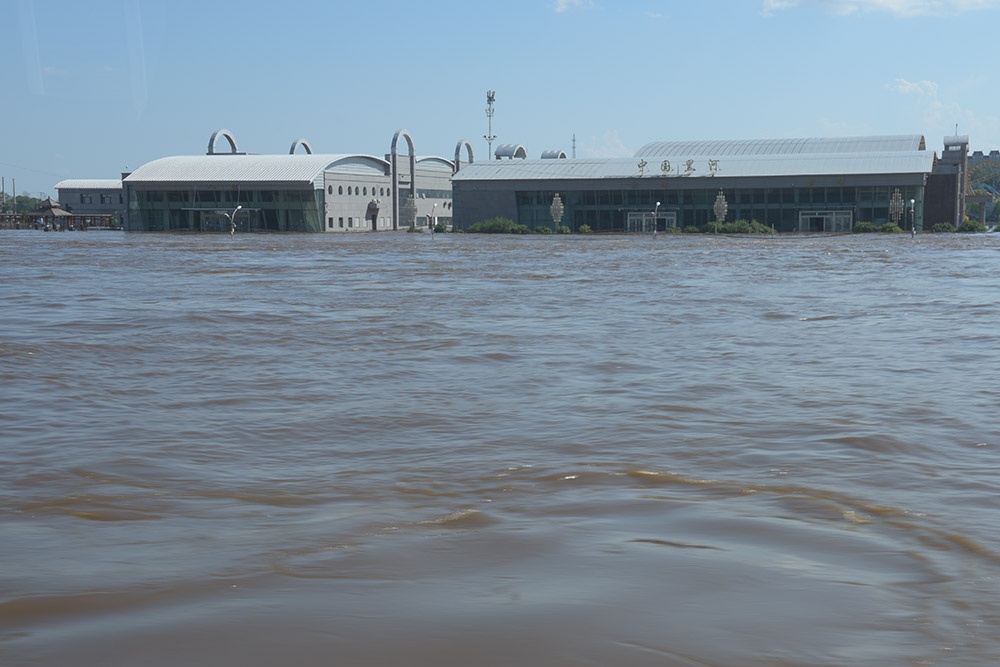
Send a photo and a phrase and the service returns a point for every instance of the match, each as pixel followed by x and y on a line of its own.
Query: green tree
pixel 26 203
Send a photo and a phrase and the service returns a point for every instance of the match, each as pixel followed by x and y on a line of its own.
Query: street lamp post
pixel 913 220
pixel 430 219
pixel 232 219
pixel 656 214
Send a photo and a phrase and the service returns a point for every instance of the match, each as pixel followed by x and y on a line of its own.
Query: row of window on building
pixel 361 222
pixel 106 198
pixel 779 196
pixel 360 190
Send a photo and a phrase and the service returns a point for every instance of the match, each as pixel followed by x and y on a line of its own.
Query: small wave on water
pixel 501 451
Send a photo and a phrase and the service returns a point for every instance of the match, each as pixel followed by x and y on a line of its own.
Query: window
pixel 340 191
pixel 106 198
pixel 86 199
pixel 341 221
pixel 329 189
pixel 329 223
pixel 366 190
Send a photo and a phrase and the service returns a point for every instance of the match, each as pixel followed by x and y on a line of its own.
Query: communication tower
pixel 489 136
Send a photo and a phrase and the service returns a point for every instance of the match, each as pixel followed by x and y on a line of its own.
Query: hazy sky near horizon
pixel 91 89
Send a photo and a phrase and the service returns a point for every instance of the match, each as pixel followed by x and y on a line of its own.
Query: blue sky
pixel 93 88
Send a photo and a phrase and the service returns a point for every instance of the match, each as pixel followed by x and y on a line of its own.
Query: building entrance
pixel 643 221
pixel 826 221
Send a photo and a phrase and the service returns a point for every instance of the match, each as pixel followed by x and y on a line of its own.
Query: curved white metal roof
pixel 719 148
pixel 434 161
pixel 913 162
pixel 510 151
pixel 904 154
pixel 90 184
pixel 304 168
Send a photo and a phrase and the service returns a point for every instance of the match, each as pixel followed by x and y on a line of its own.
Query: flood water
pixel 461 450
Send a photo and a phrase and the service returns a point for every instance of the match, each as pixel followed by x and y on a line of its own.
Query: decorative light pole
pixel 556 210
pixel 408 212
pixel 896 206
pixel 720 209
pixel 430 219
pixel 232 219
pixel 656 215
pixel 913 220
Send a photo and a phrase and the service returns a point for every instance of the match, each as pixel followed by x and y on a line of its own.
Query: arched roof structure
pixel 510 151
pixel 243 168
pixel 434 161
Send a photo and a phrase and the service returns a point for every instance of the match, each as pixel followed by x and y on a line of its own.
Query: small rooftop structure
pixel 511 151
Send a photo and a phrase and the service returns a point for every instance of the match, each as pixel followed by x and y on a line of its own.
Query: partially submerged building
pixel 791 185
pixel 93 202
pixel 804 185
pixel 297 192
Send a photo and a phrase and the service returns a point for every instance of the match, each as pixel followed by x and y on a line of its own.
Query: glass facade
pixel 206 210
pixel 611 210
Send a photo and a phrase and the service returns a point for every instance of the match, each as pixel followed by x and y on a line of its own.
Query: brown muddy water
pixel 464 450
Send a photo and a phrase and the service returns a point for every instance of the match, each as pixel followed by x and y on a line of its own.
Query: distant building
pixel 297 192
pixel 946 184
pixel 93 197
pixel 978 157
pixel 792 185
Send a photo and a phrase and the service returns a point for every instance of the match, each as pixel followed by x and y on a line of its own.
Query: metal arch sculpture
pixel 229 138
pixel 300 142
pixel 395 173
pixel 458 154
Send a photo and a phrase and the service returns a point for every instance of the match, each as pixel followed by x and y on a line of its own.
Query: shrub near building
pixel 738 227
pixel 497 226
pixel 972 227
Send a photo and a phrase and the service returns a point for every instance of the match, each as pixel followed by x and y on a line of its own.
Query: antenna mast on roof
pixel 574 145
pixel 489 136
